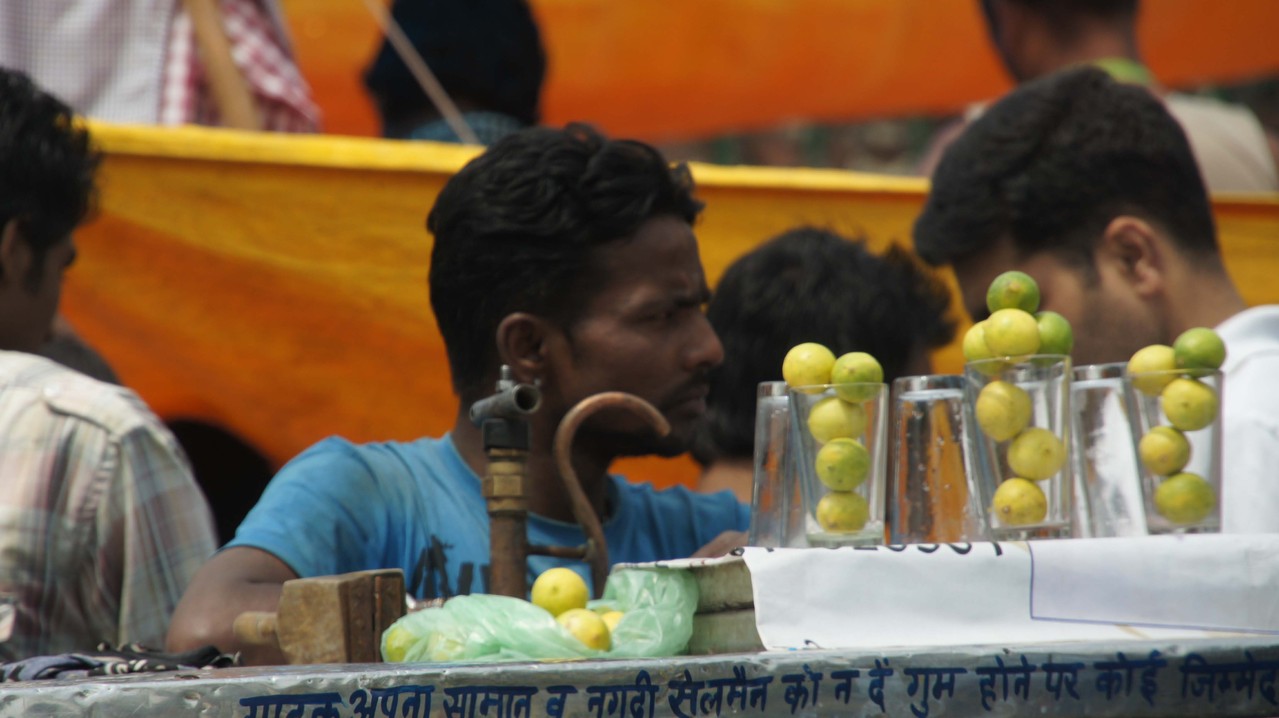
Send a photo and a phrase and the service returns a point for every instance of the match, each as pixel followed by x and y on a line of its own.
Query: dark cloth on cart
pixel 129 658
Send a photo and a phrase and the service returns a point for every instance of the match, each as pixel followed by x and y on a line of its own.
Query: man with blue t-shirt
pixel 571 259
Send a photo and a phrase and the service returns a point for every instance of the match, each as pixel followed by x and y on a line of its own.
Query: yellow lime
pixel 843 464
pixel 834 418
pixel 856 368
pixel 586 626
pixel 611 619
pixel 1199 348
pixel 559 590
pixel 1011 332
pixel 1190 405
pixel 1055 334
pixel 1036 454
pixel 1003 410
pixel 396 643
pixel 806 365
pixel 1185 498
pixel 1013 290
pixel 975 350
pixel 1157 358
pixel 1019 502
pixel 842 512
pixel 1164 450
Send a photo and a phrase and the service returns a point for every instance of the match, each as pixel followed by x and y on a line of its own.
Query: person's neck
pixel 1213 300
pixel 1091 48
pixel 543 487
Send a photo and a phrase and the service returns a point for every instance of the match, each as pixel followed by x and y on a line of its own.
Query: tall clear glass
pixel 777 506
pixel 841 459
pixel 1177 438
pixel 1021 444
pixel 1108 496
pixel 933 496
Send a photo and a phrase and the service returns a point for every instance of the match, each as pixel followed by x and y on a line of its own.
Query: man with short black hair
pixel 810 285
pixel 101 522
pixel 1089 186
pixel 569 258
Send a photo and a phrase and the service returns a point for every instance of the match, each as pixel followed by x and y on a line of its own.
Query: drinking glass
pixel 932 490
pixel 1108 497
pixel 777 507
pixel 839 440
pixel 1177 413
pixel 1021 444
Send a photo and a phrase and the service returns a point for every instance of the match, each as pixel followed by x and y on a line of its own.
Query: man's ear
pixel 522 345
pixel 1134 251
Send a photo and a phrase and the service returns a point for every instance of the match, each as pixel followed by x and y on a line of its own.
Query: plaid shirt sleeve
pixel 101 522
pixel 154 531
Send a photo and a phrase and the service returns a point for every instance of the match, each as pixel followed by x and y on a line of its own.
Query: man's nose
pixel 705 351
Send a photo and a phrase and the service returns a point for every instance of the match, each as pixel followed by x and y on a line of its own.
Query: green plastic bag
pixel 657 603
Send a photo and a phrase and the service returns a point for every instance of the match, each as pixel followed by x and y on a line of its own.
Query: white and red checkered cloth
pixel 136 61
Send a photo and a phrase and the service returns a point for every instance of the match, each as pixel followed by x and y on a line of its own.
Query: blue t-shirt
pixel 341 507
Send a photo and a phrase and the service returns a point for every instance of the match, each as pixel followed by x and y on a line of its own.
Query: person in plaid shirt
pixel 101 522
pixel 136 61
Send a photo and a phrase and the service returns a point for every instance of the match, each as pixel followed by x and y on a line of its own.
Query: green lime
pixel 1151 368
pixel 1013 290
pixel 834 418
pixel 1185 498
pixel 808 365
pixel 1036 454
pixel 1055 334
pixel 842 464
pixel 1002 410
pixel 842 512
pixel 1190 405
pixel 1019 502
pixel 1011 332
pixel 1164 451
pixel 1199 348
pixel 856 368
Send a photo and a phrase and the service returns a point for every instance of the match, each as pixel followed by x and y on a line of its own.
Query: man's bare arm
pixel 235 580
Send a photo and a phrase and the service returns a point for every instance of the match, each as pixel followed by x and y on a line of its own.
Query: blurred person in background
pixel 1090 186
pixel 101 522
pixel 809 285
pixel 151 62
pixel 487 56
pixel 1037 37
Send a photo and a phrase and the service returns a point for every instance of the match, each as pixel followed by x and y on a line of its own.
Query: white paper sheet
pixel 1003 593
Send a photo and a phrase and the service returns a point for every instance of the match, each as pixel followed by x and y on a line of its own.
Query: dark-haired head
pixel 46 167
pixel 520 229
pixel 813 285
pixel 1035 37
pixel 1050 165
pixel 486 54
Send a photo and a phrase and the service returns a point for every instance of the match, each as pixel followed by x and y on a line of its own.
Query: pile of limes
pixel 1003 410
pixel 1015 328
pixel 1173 373
pixel 563 594
pixel 837 424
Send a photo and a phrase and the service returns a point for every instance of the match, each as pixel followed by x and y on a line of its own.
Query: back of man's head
pixel 1050 165
pixel 487 54
pixel 813 285
pixel 46 166
pixel 516 230
pixel 1069 18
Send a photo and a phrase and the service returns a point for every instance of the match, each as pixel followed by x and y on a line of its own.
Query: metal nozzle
pixel 511 401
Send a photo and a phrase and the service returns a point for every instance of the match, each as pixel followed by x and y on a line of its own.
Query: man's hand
pixel 721 545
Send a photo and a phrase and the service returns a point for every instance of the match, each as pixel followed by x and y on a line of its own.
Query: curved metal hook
pixel 597 553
